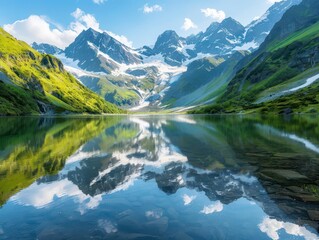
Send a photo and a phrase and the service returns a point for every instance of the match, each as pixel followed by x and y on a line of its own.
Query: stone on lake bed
pixel 296 189
pixel 289 209
pixel 313 214
pixel 285 155
pixel 307 198
pixel 284 176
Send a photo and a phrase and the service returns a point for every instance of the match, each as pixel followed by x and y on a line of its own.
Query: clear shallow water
pixel 159 177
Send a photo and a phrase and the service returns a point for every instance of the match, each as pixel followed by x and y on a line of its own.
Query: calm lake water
pixel 159 177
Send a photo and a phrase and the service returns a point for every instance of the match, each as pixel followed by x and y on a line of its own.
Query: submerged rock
pixel 313 214
pixel 284 176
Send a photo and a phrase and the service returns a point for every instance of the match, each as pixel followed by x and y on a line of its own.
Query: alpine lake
pixel 159 177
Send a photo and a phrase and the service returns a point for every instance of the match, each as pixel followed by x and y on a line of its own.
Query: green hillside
pixel 285 61
pixel 33 83
pixel 117 90
pixel 204 80
pixel 198 73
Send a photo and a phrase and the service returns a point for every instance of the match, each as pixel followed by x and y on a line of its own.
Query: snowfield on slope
pixel 275 95
pixel 308 82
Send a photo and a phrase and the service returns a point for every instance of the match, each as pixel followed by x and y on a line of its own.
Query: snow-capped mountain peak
pixel 90 48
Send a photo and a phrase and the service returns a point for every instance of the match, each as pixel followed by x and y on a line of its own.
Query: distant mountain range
pixel 178 73
pixel 46 48
pixel 219 38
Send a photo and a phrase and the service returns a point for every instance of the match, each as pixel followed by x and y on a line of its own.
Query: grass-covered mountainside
pixel 33 83
pixel 119 90
pixel 269 79
pixel 204 80
pixel 199 72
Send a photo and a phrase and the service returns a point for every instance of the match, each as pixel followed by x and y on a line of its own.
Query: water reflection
pixel 272 226
pixel 150 177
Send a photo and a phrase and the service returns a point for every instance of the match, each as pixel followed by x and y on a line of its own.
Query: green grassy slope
pixel 217 78
pixel 285 60
pixel 34 83
pixel 123 91
pixel 198 73
pixel 112 90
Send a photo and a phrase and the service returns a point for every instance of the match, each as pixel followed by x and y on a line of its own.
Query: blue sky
pixel 135 22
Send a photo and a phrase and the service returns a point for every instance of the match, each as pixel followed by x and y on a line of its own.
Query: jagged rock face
pixel 298 17
pixel 167 41
pixel 169 44
pixel 220 38
pixel 81 51
pixel 146 51
pixel 52 63
pixel 34 84
pixel 45 108
pixel 30 54
pixel 306 59
pixel 46 48
pixel 97 51
pixel 259 29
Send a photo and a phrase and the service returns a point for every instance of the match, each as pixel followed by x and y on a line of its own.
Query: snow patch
pixel 309 81
pixel 247 46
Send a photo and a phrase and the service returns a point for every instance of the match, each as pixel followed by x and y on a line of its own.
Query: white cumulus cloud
pixel 99 1
pixel 215 207
pixel 272 226
pixel 36 29
pixel 41 30
pixel 150 9
pixel 42 195
pixel 188 24
pixel 83 21
pixel 216 15
pixel 107 226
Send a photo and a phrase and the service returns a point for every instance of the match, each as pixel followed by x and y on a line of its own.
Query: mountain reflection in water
pixel 159 177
